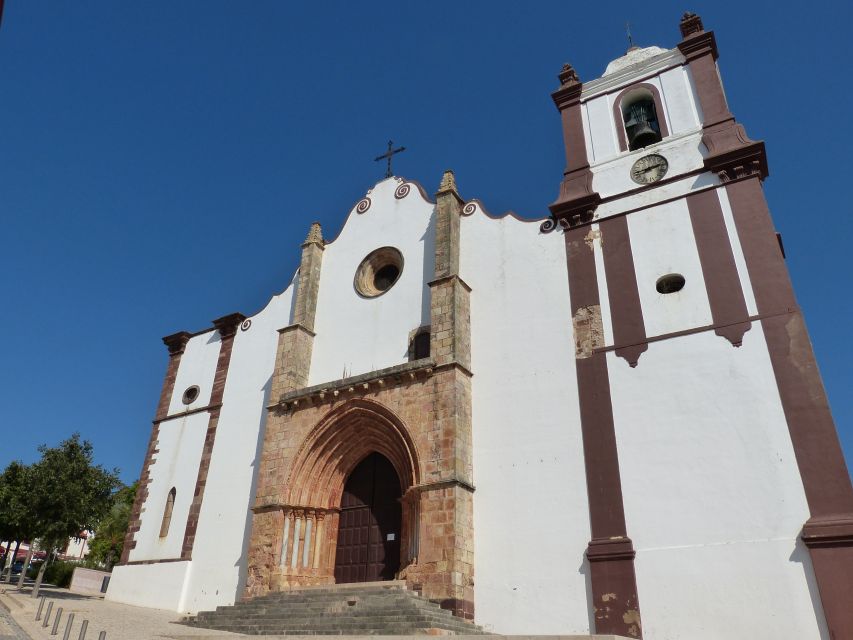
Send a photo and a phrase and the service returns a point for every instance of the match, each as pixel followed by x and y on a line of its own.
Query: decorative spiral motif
pixel 469 209
pixel 246 324
pixel 363 205
pixel 548 225
pixel 402 191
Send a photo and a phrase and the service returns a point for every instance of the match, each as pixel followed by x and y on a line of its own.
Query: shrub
pixel 59 572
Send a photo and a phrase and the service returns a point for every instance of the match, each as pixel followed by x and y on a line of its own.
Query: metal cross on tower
pixel 388 155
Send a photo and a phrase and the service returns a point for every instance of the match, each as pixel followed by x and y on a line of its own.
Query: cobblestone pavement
pixel 120 621
pixel 9 629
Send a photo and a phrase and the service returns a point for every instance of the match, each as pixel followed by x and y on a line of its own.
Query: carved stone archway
pixel 295 534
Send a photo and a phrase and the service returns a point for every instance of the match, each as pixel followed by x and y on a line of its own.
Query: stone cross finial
pixel 448 181
pixel 315 234
pixel 568 75
pixel 690 24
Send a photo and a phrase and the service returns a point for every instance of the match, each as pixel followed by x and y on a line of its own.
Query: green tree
pixel 17 519
pixel 69 494
pixel 106 547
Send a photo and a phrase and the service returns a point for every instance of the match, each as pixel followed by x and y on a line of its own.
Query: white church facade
pixel 608 421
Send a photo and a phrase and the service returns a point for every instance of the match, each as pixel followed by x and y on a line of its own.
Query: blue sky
pixel 160 163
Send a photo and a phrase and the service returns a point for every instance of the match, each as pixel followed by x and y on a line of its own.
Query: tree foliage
pixel 17 518
pixel 69 492
pixel 106 547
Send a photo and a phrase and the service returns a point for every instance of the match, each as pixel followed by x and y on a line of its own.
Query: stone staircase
pixel 375 608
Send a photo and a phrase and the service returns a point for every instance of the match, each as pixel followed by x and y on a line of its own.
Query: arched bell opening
pixel 639 115
pixel 324 500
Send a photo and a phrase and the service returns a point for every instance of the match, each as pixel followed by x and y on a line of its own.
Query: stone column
pixel 445 568
pixel 295 342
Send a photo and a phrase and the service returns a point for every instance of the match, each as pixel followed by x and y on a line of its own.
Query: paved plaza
pixel 120 621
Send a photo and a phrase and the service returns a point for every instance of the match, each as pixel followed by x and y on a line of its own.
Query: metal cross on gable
pixel 391 151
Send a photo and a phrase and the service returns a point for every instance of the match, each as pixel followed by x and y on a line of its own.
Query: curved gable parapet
pixel 400 190
pixel 474 205
pixel 357 332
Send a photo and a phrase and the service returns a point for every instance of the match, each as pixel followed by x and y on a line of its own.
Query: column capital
pixel 227 325
pixel 177 342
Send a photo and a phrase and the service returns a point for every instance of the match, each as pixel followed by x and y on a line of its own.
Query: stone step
pixel 337 609
pixel 386 608
pixel 304 620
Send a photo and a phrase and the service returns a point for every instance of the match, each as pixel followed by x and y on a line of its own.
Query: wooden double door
pixel 369 524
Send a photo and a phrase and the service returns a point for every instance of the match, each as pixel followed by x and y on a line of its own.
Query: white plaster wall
pixel 712 493
pixel 600 131
pixel 356 334
pixel 221 543
pixel 662 242
pixel 197 367
pixel 530 507
pixel 680 110
pixel 159 586
pixel 737 250
pixel 613 177
pixel 677 96
pixel 176 463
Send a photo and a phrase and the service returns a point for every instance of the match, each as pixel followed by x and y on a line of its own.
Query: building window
pixel 640 122
pixel 419 343
pixel 167 513
pixel 190 395
pixel 378 272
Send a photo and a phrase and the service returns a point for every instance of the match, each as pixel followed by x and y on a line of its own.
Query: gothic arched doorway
pixel 370 522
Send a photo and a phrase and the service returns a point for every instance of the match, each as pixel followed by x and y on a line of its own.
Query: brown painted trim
pixel 188 412
pixel 619 119
pixel 577 200
pixel 722 283
pixel 625 310
pixel 227 327
pixel 829 531
pixel 730 151
pixel 612 576
pixel 687 332
pixel 659 202
pixel 176 344
pixel 135 562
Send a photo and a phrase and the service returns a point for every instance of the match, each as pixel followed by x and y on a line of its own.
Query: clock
pixel 649 169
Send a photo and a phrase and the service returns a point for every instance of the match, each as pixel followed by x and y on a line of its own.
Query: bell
pixel 639 127
pixel 641 135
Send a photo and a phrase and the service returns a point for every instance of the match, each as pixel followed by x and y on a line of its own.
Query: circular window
pixel 670 283
pixel 378 272
pixel 190 395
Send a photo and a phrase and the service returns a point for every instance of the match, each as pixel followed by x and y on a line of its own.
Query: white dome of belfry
pixel 635 55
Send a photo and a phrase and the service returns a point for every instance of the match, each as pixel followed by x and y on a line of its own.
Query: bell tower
pixel 681 303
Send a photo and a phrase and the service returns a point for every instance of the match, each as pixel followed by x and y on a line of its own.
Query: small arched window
pixel 167 513
pixel 420 345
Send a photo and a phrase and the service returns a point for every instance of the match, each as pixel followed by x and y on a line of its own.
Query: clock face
pixel 649 169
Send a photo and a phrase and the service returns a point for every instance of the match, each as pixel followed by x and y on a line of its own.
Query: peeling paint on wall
pixel 591 237
pixel 588 329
